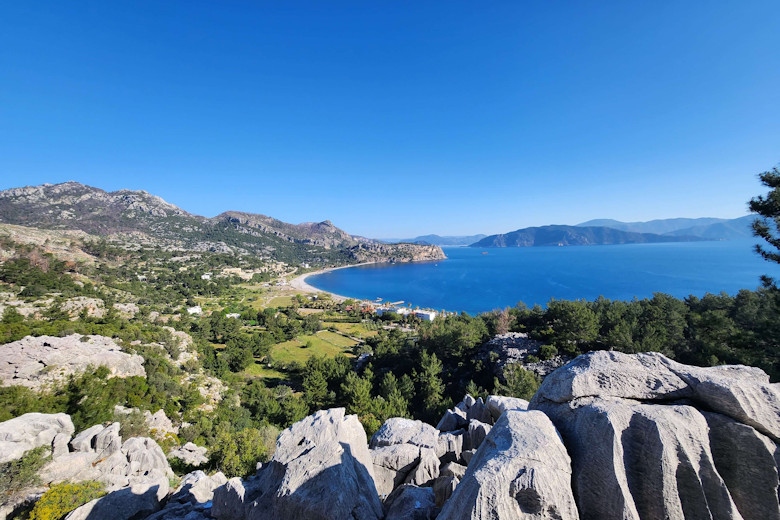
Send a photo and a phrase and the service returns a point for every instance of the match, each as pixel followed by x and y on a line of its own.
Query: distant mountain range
pixel 709 228
pixel 437 240
pixel 575 236
pixel 137 217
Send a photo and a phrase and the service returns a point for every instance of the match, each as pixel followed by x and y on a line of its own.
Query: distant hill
pixel 438 240
pixel 710 228
pixel 137 217
pixel 574 236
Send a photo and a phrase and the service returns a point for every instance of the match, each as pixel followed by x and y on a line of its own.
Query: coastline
pixel 299 282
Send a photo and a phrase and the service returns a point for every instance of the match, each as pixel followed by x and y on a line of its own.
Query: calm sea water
pixel 474 282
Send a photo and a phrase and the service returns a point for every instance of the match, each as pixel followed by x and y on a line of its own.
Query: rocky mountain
pixel 139 217
pixel 574 236
pixel 709 228
pixel 608 436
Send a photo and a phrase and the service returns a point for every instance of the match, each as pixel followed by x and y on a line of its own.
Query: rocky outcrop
pixel 321 470
pixel 136 501
pixel 32 430
pixel 190 455
pixel 35 362
pixel 410 503
pixel 516 348
pixel 652 438
pixel 522 470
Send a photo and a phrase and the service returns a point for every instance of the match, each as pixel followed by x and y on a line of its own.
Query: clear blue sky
pixel 398 118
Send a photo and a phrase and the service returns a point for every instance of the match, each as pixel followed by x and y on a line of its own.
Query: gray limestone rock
pixel 230 501
pixel 443 488
pixel 467 455
pixel 59 446
pixel 427 469
pixel 190 454
pixel 35 362
pixel 453 469
pixel 85 441
pixel 497 404
pixel 108 441
pixel 398 430
pixel 452 420
pixel 479 412
pixel 138 501
pixel 197 487
pixel 30 431
pixel 476 434
pixel 392 464
pixel 321 469
pixel 522 470
pixel 748 463
pixel 450 446
pixel 410 503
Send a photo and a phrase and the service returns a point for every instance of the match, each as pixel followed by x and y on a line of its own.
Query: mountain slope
pixel 438 240
pixel 573 236
pixel 702 227
pixel 137 217
pixel 726 230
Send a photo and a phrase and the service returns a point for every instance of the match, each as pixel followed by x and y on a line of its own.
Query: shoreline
pixel 299 282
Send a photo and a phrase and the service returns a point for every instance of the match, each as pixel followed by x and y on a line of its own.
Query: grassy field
pixel 357 330
pixel 323 343
pixel 268 375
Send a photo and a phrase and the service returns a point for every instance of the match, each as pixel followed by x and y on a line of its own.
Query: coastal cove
pixel 470 280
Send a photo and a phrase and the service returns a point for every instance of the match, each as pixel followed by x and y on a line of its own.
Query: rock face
pixel 30 431
pixel 652 438
pixel 190 454
pixel 515 347
pixel 321 470
pixel 37 361
pixel 522 470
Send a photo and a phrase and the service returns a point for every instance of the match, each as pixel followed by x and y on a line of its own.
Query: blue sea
pixel 471 281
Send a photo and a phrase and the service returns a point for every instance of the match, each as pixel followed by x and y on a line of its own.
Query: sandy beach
pixel 299 282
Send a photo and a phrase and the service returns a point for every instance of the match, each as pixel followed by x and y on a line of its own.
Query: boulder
pixel 453 469
pixel 398 430
pixel 36 362
pixel 59 446
pixel 30 431
pixel 159 423
pixel 497 404
pixel 450 446
pixel 85 441
pixel 476 434
pixel 230 501
pixel 137 501
pixel 740 392
pixel 410 503
pixel 427 469
pixel 479 412
pixel 443 488
pixel 392 464
pixel 108 441
pixel 522 470
pixel 467 455
pixel 452 420
pixel 190 454
pixel 748 463
pixel 197 487
pixel 321 470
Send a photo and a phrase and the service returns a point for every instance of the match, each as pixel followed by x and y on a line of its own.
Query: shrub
pixel 547 352
pixel 21 473
pixel 63 498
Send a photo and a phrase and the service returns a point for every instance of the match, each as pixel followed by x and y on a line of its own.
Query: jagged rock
pixel 410 503
pixel 321 470
pixel 467 455
pixel 453 469
pixel 230 501
pixel 650 461
pixel 479 412
pixel 497 404
pixel 398 430
pixel 452 420
pixel 515 348
pixel 137 501
pixel 450 446
pixel 197 487
pixel 476 434
pixel 190 454
pixel 30 431
pixel 468 401
pixel 443 488
pixel 108 441
pixel 85 441
pixel 59 446
pixel 392 464
pixel 74 466
pixel 94 307
pixel 178 511
pixel 740 392
pixel 748 463
pixel 35 362
pixel 427 469
pixel 159 424
pixel 522 470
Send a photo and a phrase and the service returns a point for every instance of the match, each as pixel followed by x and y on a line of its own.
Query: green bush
pixel 22 473
pixel 63 498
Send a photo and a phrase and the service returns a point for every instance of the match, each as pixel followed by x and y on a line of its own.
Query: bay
pixel 471 281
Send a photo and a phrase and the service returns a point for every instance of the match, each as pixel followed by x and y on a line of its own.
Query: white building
pixel 425 315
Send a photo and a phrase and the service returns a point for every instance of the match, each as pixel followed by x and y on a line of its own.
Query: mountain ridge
pixel 560 235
